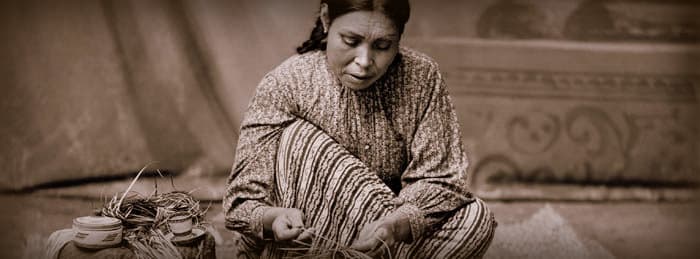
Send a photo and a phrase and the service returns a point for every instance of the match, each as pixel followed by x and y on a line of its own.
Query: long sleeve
pixel 251 182
pixel 433 184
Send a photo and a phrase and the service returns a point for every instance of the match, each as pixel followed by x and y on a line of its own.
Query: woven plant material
pixel 145 219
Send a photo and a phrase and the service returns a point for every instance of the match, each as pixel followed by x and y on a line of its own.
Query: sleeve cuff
pixel 256 220
pixel 416 219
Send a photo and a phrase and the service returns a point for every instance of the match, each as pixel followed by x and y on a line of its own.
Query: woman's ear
pixel 325 19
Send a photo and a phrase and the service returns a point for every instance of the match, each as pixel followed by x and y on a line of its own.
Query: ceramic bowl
pixel 95 232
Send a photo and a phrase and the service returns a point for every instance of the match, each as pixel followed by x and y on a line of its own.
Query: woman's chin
pixel 356 85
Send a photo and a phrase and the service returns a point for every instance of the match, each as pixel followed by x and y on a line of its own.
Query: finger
pixel 382 248
pixel 296 220
pixel 283 231
pixel 384 241
pixel 306 235
pixel 364 245
pixel 381 232
pixel 384 235
pixel 287 234
pixel 378 251
pixel 367 231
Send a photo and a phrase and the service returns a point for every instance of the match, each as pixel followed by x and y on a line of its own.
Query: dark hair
pixel 398 11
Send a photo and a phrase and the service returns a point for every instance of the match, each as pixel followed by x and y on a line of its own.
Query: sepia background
pixel 580 117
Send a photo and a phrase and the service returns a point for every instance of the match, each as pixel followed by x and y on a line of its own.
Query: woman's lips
pixel 357 82
pixel 360 77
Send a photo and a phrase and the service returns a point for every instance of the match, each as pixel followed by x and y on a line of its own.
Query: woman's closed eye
pixel 382 44
pixel 350 41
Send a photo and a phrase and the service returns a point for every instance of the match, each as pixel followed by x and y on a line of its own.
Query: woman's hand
pixel 377 237
pixel 286 224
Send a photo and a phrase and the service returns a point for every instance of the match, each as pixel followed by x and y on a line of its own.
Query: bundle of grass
pixel 145 219
pixel 315 250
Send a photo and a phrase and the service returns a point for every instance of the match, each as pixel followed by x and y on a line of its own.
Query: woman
pixel 354 144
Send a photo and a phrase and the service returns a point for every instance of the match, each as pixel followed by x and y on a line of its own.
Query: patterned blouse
pixel 403 127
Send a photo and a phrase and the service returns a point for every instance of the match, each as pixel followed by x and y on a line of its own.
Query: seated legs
pixel 339 195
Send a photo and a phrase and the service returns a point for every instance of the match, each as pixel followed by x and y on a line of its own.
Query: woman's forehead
pixel 369 24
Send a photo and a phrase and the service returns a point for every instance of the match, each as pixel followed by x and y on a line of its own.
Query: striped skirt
pixel 338 195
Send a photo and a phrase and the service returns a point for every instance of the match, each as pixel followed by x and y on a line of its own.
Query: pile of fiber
pixel 145 219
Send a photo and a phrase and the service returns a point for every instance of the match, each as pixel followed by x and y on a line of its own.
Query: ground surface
pixel 526 229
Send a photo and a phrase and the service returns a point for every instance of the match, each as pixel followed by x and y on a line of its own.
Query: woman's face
pixel 361 45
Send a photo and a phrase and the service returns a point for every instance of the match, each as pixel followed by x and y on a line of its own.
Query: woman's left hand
pixel 378 237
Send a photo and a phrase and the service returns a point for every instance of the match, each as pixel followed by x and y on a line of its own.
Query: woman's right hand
pixel 286 224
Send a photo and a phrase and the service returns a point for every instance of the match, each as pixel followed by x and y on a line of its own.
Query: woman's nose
pixel 363 57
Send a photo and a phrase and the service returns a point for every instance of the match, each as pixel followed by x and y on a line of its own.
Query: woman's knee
pixel 486 218
pixel 466 234
pixel 478 223
pixel 294 149
pixel 469 231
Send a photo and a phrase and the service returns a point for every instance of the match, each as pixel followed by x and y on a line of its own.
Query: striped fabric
pixel 339 195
